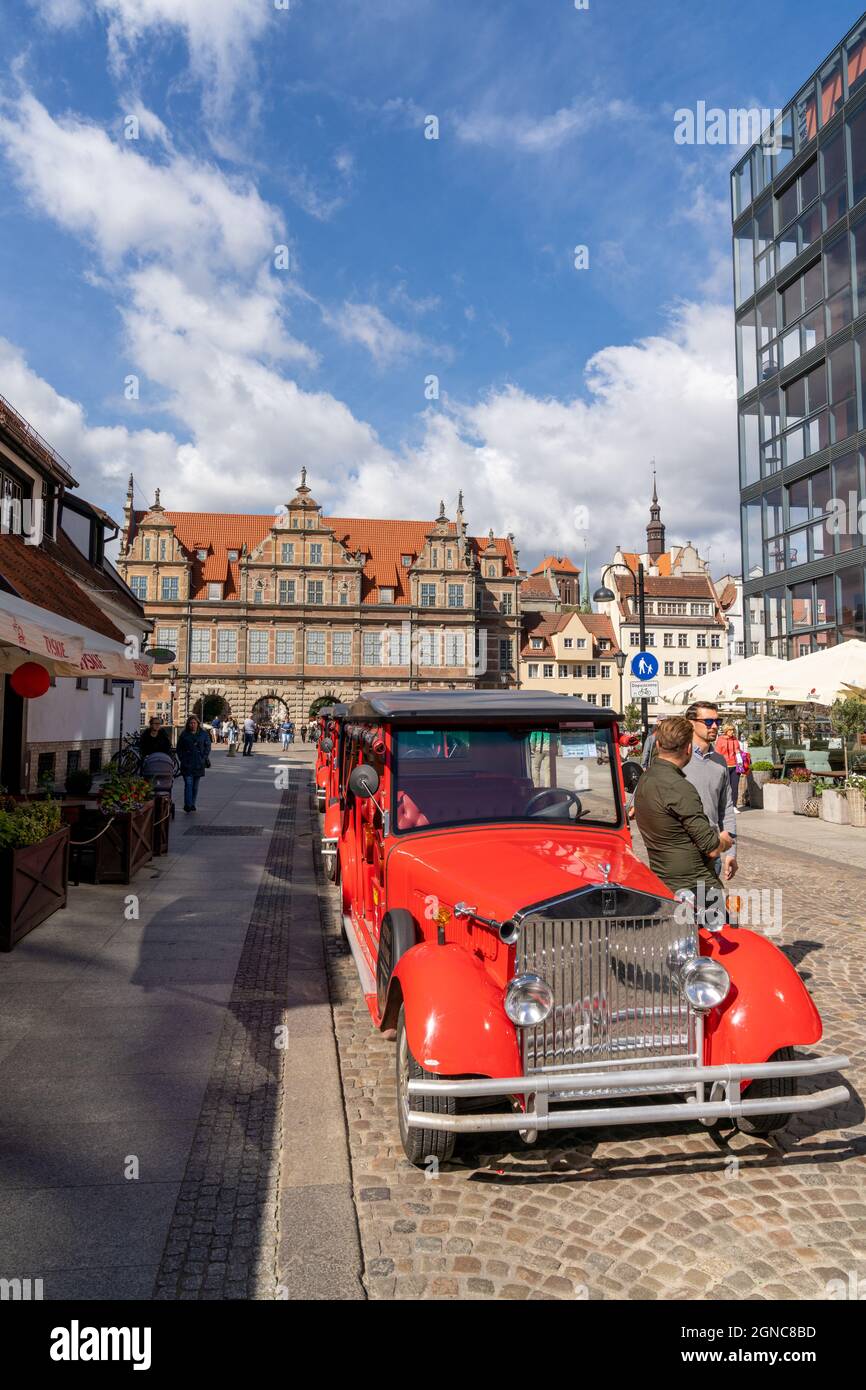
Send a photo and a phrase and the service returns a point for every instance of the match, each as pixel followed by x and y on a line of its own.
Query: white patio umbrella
pixel 825 676
pixel 756 678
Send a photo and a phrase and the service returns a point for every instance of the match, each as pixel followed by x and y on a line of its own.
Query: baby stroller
pixel 161 769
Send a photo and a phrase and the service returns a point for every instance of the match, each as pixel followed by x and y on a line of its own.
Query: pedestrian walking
pixel 681 844
pixel 648 749
pixel 303 732
pixel 708 773
pixel 232 738
pixel 193 751
pixel 744 767
pixel 249 736
pixel 539 758
pixel 154 739
pixel 728 747
pixel 291 731
pixel 285 734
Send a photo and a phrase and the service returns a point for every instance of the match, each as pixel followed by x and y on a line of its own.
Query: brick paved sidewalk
pixel 142 1146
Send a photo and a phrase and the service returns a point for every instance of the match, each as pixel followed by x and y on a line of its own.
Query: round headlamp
pixel 528 1000
pixel 705 983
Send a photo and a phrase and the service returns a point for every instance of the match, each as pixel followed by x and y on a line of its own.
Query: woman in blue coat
pixel 193 751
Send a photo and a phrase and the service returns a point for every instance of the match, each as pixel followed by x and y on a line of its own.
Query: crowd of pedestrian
pixel 196 740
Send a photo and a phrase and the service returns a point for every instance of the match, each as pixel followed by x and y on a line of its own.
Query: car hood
pixel 503 871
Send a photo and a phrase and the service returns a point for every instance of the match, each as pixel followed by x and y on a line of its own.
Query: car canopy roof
pixel 338 711
pixel 473 707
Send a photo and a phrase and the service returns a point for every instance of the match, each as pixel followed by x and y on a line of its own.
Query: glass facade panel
pixel 767 319
pixel 851 611
pixel 821 491
pixel 830 87
pixel 747 366
pixel 749 458
pixel 742 186
pixel 808 181
pixel 846 500
pixel 763 226
pixel 787 205
pixel 752 546
pixel 825 599
pixel 798 502
pixel 802 606
pixel 843 415
pixel 855 55
pixel 805 116
pixel 857 133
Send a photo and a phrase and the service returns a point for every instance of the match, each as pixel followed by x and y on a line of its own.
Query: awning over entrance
pixel 37 633
pixel 65 648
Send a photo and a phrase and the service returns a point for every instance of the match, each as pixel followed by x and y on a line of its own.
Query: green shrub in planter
pixel 28 823
pixel 762 766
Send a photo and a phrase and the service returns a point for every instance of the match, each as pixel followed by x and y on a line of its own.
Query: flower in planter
pixel 799 774
pixel 120 794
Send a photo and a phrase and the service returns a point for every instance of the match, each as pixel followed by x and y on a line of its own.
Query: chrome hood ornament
pixel 605 869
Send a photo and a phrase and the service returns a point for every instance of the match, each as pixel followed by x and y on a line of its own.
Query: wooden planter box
pixel 33 885
pixel 162 805
pixel 117 854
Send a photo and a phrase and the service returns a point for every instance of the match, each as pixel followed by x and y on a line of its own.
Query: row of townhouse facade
pixel 263 615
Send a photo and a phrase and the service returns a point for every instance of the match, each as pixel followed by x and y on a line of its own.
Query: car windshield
pixel 562 773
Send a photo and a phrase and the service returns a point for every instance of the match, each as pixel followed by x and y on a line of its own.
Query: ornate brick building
pixel 267 613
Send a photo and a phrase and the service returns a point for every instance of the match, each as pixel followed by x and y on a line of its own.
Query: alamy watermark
pixel 742 125
pixel 22 517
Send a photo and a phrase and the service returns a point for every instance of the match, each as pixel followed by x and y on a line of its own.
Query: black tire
pixel 781 1086
pixel 420 1145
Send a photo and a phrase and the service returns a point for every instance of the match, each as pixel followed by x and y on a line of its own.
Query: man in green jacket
pixel 681 842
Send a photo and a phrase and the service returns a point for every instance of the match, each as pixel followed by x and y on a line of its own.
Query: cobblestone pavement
pixel 662 1212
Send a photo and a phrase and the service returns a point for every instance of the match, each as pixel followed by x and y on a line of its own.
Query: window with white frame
pixel 669 668
pixel 668 640
pixel 547 670
pixel 315 552
pixel 591 671
pixel 650 639
pixel 684 668
pixel 634 639
pixel 671 609
pixel 455 595
pixel 162 551
pixel 715 639
pixel 533 670
pixel 257 647
pixel 605 702
pixel 199 649
pixel 386 594
pixel 506 656
pixel 428 595
pixel 577 673
pixel 284 647
pixel 702 639
pixel 214 591
pixel 371 649
pixel 147 550
pixel 429 649
pixel 455 649
pixel 682 639
pixel 170 586
pixel 315 648
pixel 233 556
pixel 563 670
pixel 259 593
pixel 505 604
pixel 398 647
pixel 605 673
pixel 227 644
pixel 167 637
pixel 701 610
pixel 537 643
pixel 702 668
pixel 287 591
pixel 341 649
pixel 580 641
pixel 315 591
pixel 287 552
pixel 717 666
pixel 406 561
pixel 138 585
pixel 568 642
pixel 202 554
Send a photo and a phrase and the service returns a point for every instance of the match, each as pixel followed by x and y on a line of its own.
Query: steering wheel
pixel 553 795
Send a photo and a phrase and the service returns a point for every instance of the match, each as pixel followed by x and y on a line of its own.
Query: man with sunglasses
pixel 708 773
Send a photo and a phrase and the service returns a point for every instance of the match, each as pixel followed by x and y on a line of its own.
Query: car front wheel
pixel 420 1145
pixel 785 1087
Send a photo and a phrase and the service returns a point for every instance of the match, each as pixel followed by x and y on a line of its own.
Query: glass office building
pixel 799 221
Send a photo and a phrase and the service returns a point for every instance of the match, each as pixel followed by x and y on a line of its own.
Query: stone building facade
pixel 267 613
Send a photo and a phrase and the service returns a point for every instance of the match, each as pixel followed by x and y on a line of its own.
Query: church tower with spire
pixel 655 531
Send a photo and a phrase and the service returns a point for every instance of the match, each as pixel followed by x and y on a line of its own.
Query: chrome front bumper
pixel 540 1088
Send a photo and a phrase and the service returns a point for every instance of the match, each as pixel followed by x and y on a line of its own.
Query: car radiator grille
pixel 616 997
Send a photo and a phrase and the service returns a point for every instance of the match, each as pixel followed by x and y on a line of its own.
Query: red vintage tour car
pixel 535 971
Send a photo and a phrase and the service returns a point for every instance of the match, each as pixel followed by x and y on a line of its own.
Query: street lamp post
pixel 620 660
pixel 172 687
pixel 605 595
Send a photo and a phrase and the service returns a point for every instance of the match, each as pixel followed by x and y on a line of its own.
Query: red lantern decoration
pixel 30 680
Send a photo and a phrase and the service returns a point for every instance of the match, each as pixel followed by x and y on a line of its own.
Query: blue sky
pixel 410 257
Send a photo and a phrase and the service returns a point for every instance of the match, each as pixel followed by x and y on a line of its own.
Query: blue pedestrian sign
pixel 645 666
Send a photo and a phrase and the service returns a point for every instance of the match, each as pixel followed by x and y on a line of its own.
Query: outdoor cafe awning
pixel 755 678
pixel 64 648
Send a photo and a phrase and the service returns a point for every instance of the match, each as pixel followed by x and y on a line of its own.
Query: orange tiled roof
pixel 34 576
pixel 662 562
pixel 558 564
pixel 383 541
pixel 533 587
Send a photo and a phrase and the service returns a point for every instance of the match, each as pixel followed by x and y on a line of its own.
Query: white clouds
pixel 130 207
pixel 538 135
pixel 365 324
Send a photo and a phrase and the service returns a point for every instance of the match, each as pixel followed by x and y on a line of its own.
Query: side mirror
pixel 363 780
pixel 632 772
